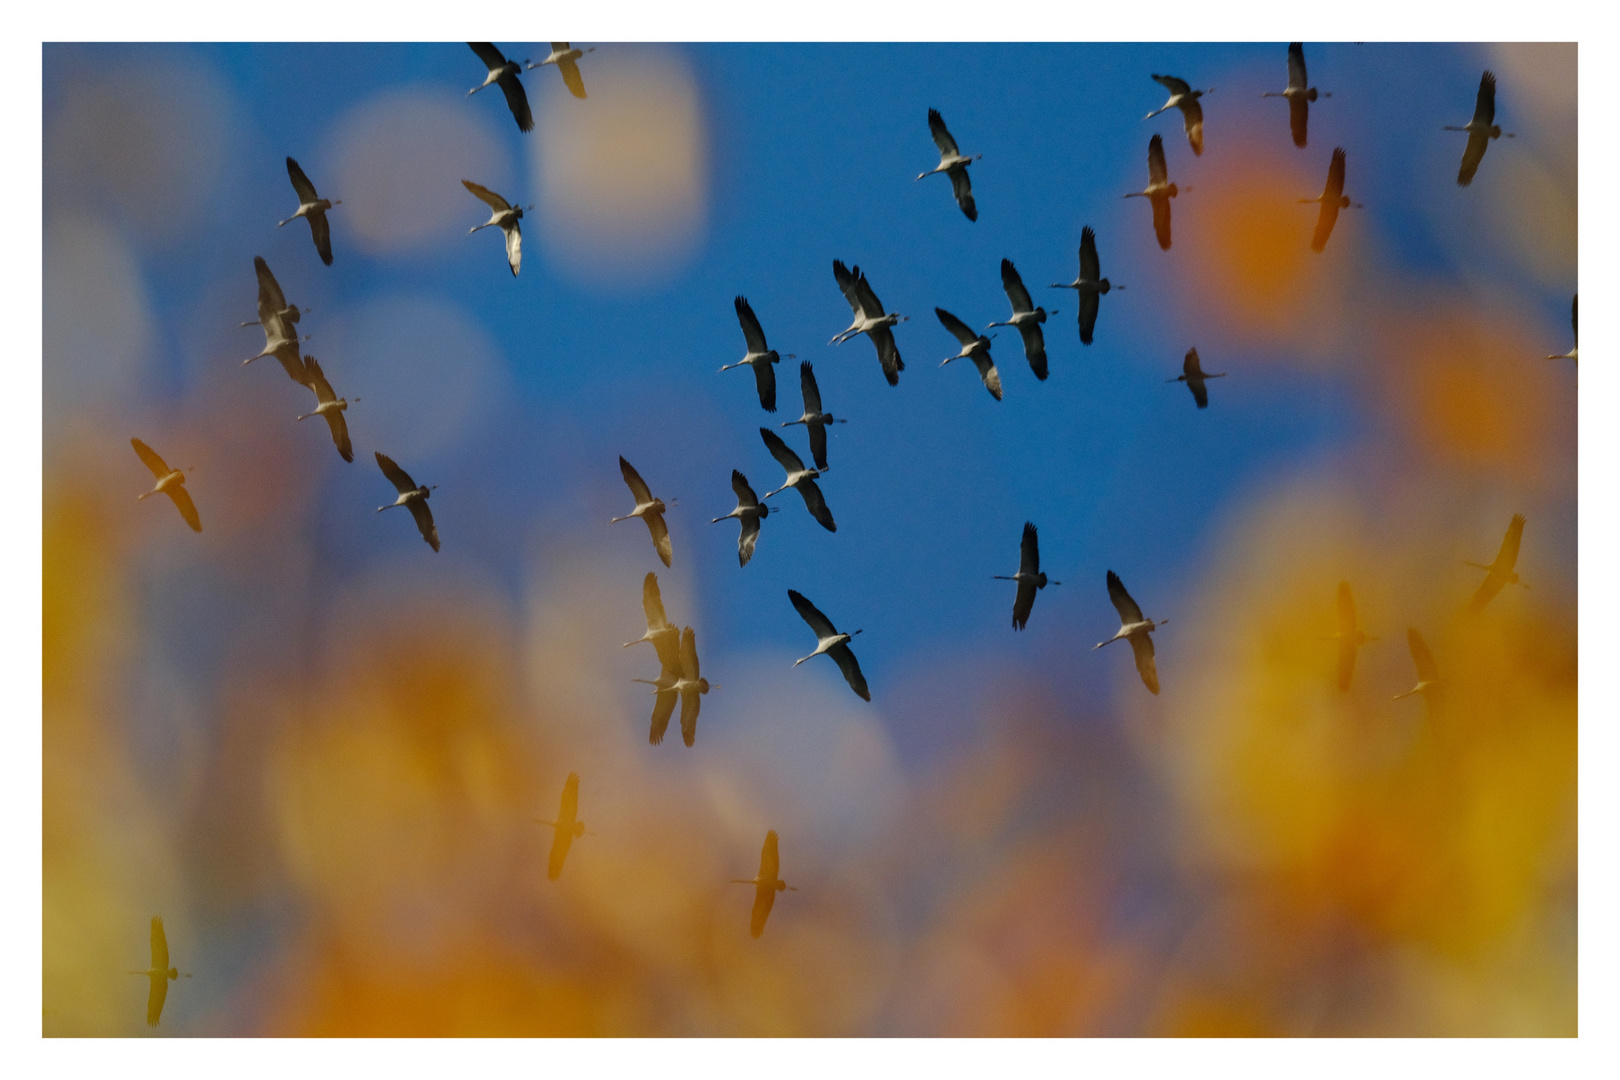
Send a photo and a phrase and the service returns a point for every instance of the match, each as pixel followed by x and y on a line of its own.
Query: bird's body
pixel 159 973
pixel 564 57
pixel 1185 98
pixel 830 641
pixel 680 681
pixel 170 482
pixel 975 347
pixel 1573 353
pixel 815 421
pixel 1194 375
pixel 665 638
pixel 411 496
pixel 328 405
pixel 766 885
pixel 1349 635
pixel 505 72
pixel 870 319
pixel 1159 192
pixel 1135 629
pixel 1089 285
pixel 565 828
pixel 1500 572
pixel 1428 684
pixel 1481 129
pixel 277 318
pixel 506 217
pixel 312 208
pixel 799 478
pixel 952 163
pixel 1298 94
pixel 1333 199
pixel 750 512
pixel 648 509
pixel 1029 577
pixel 760 356
pixel 1026 317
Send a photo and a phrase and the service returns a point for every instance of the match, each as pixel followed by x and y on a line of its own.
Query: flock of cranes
pixel 680 679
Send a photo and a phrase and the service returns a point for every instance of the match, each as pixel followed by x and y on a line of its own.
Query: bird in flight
pixel 1333 199
pixel 1428 683
pixel 170 482
pixel 870 319
pixel 1194 375
pixel 1500 572
pixel 410 496
pixel 505 72
pixel 975 347
pixel 1299 97
pixel 506 216
pixel 665 638
pixel 565 828
pixel 312 208
pixel 799 477
pixel 766 885
pixel 329 405
pixel 1090 285
pixel 690 685
pixel 1026 316
pixel 1481 130
pixel 760 356
pixel 1135 629
pixel 1349 635
pixel 1185 98
pixel 831 642
pixel 648 509
pixel 160 973
pixel 814 420
pixel 1159 191
pixel 1573 353
pixel 1029 577
pixel 749 513
pixel 277 318
pixel 952 163
pixel 564 58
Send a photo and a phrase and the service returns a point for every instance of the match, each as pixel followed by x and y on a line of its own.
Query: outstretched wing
pixel 1023 604
pixel 514 245
pixel 518 101
pixel 270 296
pixel 871 306
pixel 494 201
pixel 781 451
pixel 888 354
pixel 397 476
pixel 957 327
pixel 570 798
pixel 765 383
pixel 1485 100
pixel 1347 661
pixel 747 539
pixel 822 625
pixel 571 77
pixel 1200 392
pixel 1296 66
pixel 160 947
pixel 1090 267
pixel 1192 118
pixel 340 433
pixel 1034 348
pixel 424 522
pixel 846 285
pixel 488 53
pixel 300 182
pixel 1172 84
pixel 1190 368
pixel 660 535
pixel 663 708
pixel 818 444
pixel 764 900
pixel 844 657
pixel 1347 612
pixel 1299 114
pixel 638 486
pixel 770 861
pixel 752 333
pixel 188 509
pixel 1128 611
pixel 1090 302
pixel 987 373
pixel 817 504
pixel 321 231
pixel 1421 657
pixel 1029 551
pixel 561 841
pixel 942 137
pixel 316 380
pixel 1472 156
pixel 1161 221
pixel 150 458
pixel 1508 554
pixel 652 602
pixel 1325 220
pixel 1157 172
pixel 745 493
pixel 1142 649
pixel 1017 295
pixel 962 188
pixel 807 386
pixel 1335 180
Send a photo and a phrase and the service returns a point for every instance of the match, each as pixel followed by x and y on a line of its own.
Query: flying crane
pixel 1029 576
pixel 1135 629
pixel 1026 317
pixel 952 163
pixel 170 482
pixel 1089 285
pixel 505 72
pixel 312 208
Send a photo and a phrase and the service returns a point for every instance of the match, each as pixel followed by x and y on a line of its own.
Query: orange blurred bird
pixel 170 482
pixel 766 885
pixel 160 973
pixel 565 828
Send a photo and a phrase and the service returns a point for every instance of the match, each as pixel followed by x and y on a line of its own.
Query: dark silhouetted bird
pixel 1029 577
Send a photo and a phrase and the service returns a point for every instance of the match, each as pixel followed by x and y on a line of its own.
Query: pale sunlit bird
pixel 690 686
pixel 1481 129
pixel 1500 572
pixel 1090 285
pixel 565 828
pixel 830 641
pixel 814 419
pixel 952 163
pixel 312 208
pixel 760 356
pixel 1349 636
pixel 1159 192
pixel 1029 577
pixel 870 319
pixel 975 347
pixel 1573 353
pixel 564 58
pixel 170 482
pixel 1298 95
pixel 410 495
pixel 160 973
pixel 648 509
pixel 1333 199
pixel 1428 683
pixel 505 72
pixel 749 513
pixel 1194 375
pixel 1135 629
pixel 665 696
pixel 504 215
pixel 766 885
pixel 329 405
pixel 665 638
pixel 1026 317
pixel 799 478
pixel 1185 98
pixel 277 318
